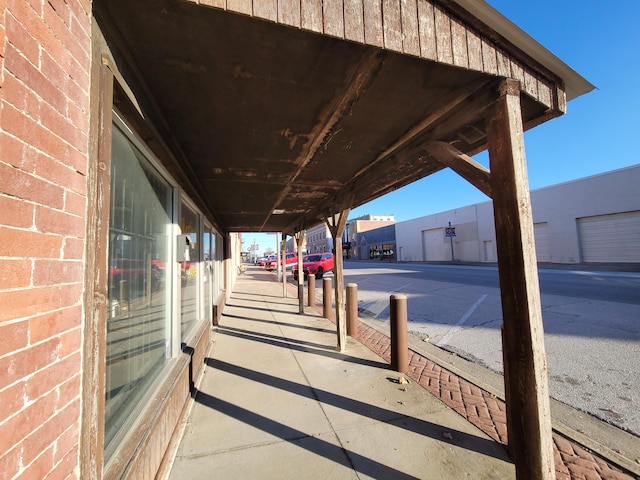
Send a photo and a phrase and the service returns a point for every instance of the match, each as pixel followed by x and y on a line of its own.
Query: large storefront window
pixel 381 252
pixel 189 270
pixel 139 289
pixel 207 274
pixel 220 284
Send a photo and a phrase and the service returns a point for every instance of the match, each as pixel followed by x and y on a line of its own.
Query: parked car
pixel 266 259
pixel 136 272
pixel 314 264
pixel 291 259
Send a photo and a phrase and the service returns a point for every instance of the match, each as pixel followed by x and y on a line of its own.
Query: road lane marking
pixel 377 307
pixel 386 303
pixel 458 326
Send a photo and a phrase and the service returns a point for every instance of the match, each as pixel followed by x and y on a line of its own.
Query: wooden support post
pixel 283 263
pixel 299 241
pixel 525 367
pixel 336 225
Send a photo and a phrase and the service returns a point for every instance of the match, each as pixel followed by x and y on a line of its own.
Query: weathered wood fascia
pixel 475 173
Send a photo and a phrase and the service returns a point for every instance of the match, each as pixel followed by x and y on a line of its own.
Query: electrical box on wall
pixel 183 244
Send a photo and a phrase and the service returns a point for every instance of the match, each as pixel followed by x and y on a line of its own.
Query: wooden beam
pixel 97 268
pixel 364 74
pixel 402 151
pixel 283 264
pixel 337 224
pixel 419 129
pixel 465 166
pixel 525 367
pixel 299 236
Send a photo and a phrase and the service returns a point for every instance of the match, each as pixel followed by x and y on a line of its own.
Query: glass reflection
pixel 138 291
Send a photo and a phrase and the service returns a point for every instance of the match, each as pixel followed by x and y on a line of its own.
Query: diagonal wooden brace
pixel 465 166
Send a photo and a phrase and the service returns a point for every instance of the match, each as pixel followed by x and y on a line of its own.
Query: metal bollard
pixel 311 294
pixel 352 309
pixel 326 297
pixel 399 334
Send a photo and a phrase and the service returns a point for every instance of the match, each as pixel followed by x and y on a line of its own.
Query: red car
pixel 315 264
pixel 264 260
pixel 136 272
pixel 290 260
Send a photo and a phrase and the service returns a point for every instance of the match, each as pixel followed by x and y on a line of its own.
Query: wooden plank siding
pixel 240 6
pixel 410 28
pixel 459 44
pixel 392 25
pixel 311 15
pixel 444 44
pixel 354 21
pixel 474 49
pixel 214 3
pixel 373 24
pixel 421 28
pixel 267 9
pixel 289 12
pixel 333 21
pixel 427 29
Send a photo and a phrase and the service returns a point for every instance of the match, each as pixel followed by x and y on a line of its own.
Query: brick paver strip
pixel 484 410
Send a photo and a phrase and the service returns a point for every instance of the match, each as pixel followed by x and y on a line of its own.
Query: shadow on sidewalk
pixel 284 324
pixel 422 427
pixel 298 345
pixel 313 444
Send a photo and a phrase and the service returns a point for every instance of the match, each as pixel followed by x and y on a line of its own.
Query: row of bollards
pixel 398 318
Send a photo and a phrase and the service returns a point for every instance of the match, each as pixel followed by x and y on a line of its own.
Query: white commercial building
pixel 593 220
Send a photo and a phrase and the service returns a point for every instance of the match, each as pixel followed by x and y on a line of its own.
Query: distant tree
pixel 269 251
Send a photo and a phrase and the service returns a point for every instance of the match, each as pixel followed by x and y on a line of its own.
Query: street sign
pixel 450 231
pixel 254 247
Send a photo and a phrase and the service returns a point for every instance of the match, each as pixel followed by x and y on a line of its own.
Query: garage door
pixel 433 245
pixel 610 238
pixel 541 233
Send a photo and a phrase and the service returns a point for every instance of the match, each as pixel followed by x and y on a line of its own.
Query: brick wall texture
pixel 44 122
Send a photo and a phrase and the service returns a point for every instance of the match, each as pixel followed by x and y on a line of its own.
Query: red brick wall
pixel 44 123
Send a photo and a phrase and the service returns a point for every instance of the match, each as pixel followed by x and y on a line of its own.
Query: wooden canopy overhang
pixel 278 114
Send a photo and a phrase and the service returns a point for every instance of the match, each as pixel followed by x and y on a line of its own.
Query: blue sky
pixel 601 41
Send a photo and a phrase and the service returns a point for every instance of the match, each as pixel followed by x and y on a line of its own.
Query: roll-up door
pixel 541 233
pixel 610 238
pixel 433 245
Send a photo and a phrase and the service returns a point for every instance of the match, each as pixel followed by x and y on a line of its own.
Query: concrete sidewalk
pixel 277 401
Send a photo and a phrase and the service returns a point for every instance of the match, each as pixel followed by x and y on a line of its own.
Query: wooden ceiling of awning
pixel 275 126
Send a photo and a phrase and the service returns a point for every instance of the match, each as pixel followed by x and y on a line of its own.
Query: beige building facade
pixel 590 220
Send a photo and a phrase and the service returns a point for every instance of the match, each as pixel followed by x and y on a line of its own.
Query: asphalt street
pixel 591 321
